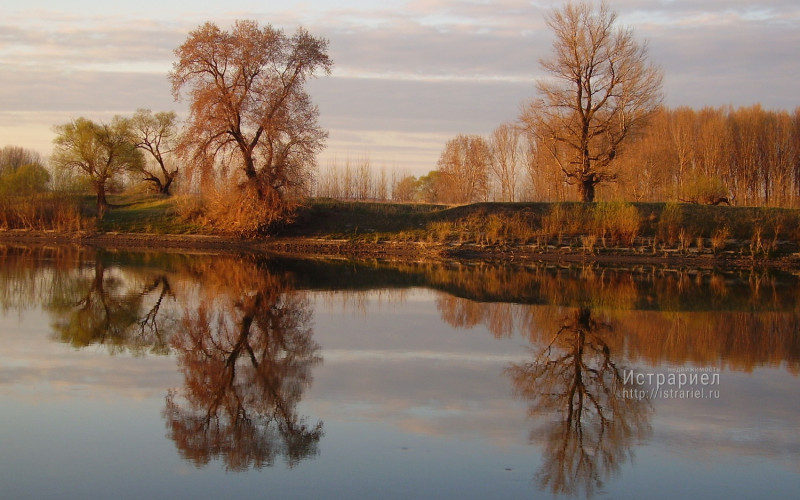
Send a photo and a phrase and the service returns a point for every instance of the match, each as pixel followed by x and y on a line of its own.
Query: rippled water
pixel 132 375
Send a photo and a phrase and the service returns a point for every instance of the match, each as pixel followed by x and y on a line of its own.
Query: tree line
pixel 747 156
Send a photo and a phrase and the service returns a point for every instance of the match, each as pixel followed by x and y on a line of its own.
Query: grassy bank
pixel 154 214
pixel 596 228
pixel 600 228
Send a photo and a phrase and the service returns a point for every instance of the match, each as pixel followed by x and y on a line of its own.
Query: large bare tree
pixel 250 115
pixel 600 89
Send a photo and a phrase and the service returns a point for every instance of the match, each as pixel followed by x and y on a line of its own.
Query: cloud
pixel 716 65
pixel 65 42
pixel 418 106
pixel 60 90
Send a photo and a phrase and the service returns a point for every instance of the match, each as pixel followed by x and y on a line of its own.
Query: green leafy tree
pixel 123 314
pixel 22 172
pixel 24 180
pixel 406 189
pixel 430 187
pixel 99 151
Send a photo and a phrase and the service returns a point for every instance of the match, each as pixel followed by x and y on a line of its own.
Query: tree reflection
pixel 576 378
pixel 246 352
pixel 707 318
pixel 104 307
pixel 151 329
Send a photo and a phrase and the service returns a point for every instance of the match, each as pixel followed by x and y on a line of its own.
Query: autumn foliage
pixel 252 134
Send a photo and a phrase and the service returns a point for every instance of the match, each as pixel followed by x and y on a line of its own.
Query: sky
pixel 408 74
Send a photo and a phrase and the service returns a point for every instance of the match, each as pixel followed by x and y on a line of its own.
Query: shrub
pixel 566 219
pixel 240 211
pixel 24 180
pixel 719 239
pixel 706 190
pixel 618 221
pixel 670 223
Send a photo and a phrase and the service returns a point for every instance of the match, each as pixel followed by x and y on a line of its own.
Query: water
pixel 133 375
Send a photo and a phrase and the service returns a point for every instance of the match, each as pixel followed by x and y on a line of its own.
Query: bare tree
pixel 13 157
pixel 578 378
pixel 382 185
pixel 250 112
pixel 505 159
pixel 247 352
pixel 363 180
pixel 157 134
pixel 600 90
pixel 464 170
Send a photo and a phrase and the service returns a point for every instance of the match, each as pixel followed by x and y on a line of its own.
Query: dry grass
pixel 615 223
pixel 719 239
pixel 618 221
pixel 43 212
pixel 238 211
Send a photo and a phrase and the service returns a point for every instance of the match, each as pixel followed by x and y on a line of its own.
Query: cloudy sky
pixel 409 74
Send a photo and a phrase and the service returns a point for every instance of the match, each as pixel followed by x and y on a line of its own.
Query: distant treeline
pixel 750 154
pixel 744 156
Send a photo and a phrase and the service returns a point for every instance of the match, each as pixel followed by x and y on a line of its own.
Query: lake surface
pixel 149 375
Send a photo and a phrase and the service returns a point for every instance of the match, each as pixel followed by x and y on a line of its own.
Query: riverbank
pixel 605 233
pixel 412 251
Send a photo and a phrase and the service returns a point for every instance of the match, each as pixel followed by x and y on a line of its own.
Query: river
pixel 171 375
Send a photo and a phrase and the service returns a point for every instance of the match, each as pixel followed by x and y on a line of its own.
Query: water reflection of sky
pixel 411 407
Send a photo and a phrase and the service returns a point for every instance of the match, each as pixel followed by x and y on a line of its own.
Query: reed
pixel 43 212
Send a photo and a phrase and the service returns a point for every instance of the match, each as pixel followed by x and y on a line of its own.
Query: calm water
pixel 129 375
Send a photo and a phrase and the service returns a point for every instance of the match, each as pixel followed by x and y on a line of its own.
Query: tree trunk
pixel 168 179
pixel 586 188
pixel 102 203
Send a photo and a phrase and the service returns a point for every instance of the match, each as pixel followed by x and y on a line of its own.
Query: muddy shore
pixel 400 250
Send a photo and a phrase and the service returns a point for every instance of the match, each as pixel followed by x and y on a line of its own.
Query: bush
pixel 24 180
pixel 618 221
pixel 567 219
pixel 615 222
pixel 240 211
pixel 706 190
pixel 670 223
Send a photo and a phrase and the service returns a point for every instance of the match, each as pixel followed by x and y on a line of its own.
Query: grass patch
pixel 616 224
pixel 339 219
pixel 148 214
